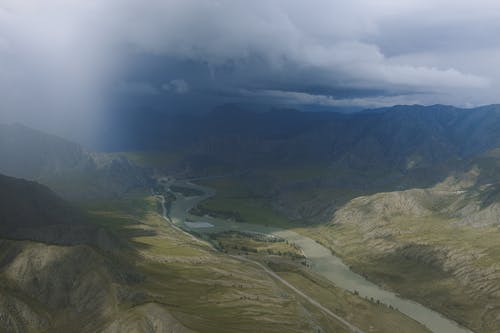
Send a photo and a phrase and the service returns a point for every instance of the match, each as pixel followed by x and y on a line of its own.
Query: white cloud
pixel 337 38
pixel 65 55
pixel 301 98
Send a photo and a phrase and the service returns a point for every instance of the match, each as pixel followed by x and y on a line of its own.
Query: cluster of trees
pixel 371 299
pixel 217 240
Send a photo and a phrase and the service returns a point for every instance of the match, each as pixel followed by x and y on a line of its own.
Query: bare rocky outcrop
pixel 17 316
pixel 148 318
pixel 52 288
pixel 444 228
pixel 72 283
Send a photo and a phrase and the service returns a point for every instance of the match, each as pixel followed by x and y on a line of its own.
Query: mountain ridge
pixel 65 166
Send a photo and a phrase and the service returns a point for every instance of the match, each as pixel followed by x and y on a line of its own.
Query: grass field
pixel 234 198
pixel 363 313
pixel 288 197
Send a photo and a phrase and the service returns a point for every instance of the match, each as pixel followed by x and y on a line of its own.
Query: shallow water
pixel 196 225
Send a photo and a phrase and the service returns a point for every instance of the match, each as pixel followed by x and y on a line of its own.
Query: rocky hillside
pixel 65 166
pixel 26 204
pixel 52 288
pixel 30 211
pixel 60 273
pixel 31 154
pixel 437 245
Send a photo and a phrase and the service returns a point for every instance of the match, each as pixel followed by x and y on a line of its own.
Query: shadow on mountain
pixel 60 273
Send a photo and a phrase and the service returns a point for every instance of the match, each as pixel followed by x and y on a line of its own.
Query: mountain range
pixel 367 152
pixel 408 196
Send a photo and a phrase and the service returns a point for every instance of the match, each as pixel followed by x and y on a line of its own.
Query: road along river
pixel 322 260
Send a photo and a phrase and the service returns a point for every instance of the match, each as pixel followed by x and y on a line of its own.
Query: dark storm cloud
pixel 329 52
pixel 75 57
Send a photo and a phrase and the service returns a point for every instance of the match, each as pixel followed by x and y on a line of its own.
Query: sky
pixel 65 63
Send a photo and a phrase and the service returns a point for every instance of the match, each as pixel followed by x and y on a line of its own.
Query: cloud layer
pixel 74 57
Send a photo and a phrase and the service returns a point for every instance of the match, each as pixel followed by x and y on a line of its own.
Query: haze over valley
pixel 227 166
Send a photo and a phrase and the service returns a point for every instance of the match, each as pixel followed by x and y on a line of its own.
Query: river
pixel 322 260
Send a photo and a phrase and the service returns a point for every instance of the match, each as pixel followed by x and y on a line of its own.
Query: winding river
pixel 322 260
